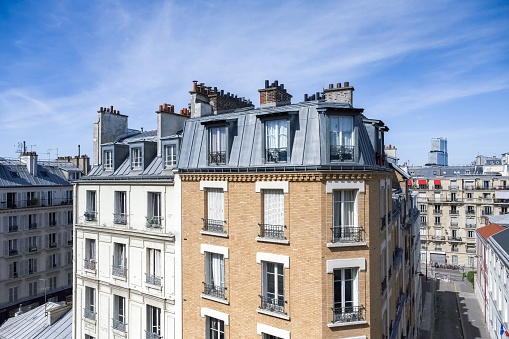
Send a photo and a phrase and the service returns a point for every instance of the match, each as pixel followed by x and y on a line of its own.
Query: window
pixel 52 283
pixel 273 215
pixel 32 265
pixel 13 224
pixel 32 244
pixel 471 261
pixel 68 197
pixel 52 240
pixel 486 210
pixel 422 231
pixel 119 319
pixel 89 310
pixel 52 218
pixel 341 139
pixel 120 213
pixel 153 322
pixel 437 209
pixel 437 221
pixel 343 216
pixel 454 210
pixel 69 218
pixel 470 234
pixel 13 294
pixel 11 200
pixel 423 256
pixel 32 288
pixel 469 195
pixel 119 260
pixel 53 261
pixel 32 221
pixel 13 246
pixel 470 209
pixel 136 158
pixel 108 160
pixel 453 197
pixel 345 308
pixel 214 275
pixel 273 296
pixel 13 269
pixel 215 328
pixel 424 221
pixel 454 185
pixel 153 275
pixel 90 259
pixel 217 145
pixel 51 195
pixel 422 186
pixel 422 208
pixel 486 184
pixel 90 213
pixel 170 156
pixel 154 210
pixel 276 141
pixel 68 258
pixel 455 260
pixel 215 211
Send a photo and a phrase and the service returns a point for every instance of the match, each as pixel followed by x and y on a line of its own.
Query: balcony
pixel 271 304
pixel 52 245
pixel 346 234
pixel 89 314
pixel 120 218
pixel 470 212
pixel 455 249
pixel 152 279
pixel 90 264
pixel 347 314
pixel 119 325
pixel 437 212
pixel 151 335
pixel 154 222
pixel 471 250
pixel 214 290
pixel 469 187
pixel 470 226
pixel 437 224
pixel 214 226
pixel 438 237
pixel 13 252
pixel 455 239
pixel 217 158
pixel 119 271
pixel 276 232
pixel 32 248
pixel 32 226
pixel 454 212
pixel 13 228
pixel 90 216
pixel 52 223
pixel 342 153
pixel 276 155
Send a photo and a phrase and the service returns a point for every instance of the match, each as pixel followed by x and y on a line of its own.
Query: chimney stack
pixel 274 95
pixel 30 160
pixel 340 93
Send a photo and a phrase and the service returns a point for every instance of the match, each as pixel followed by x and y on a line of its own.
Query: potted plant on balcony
pixel 154 222
pixel 89 216
pixel 33 202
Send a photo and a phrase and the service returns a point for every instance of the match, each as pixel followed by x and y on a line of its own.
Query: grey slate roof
pixel 15 173
pixel 308 149
pixel 502 219
pixel 444 171
pixel 33 325
pixel 501 241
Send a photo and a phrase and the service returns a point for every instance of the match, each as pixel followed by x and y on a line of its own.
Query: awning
pixel 422 182
pixel 501 194
pixel 437 182
pixel 409 182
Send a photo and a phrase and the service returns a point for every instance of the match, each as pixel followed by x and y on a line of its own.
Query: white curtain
pixel 215 202
pixel 157 262
pixel 273 209
pixel 216 269
pixel 217 139
pixel 277 134
pixel 341 131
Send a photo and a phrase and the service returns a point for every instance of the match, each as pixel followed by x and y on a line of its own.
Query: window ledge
pixel 273 314
pixel 219 300
pixel 215 234
pixel 350 323
pixel 116 277
pixel 346 244
pixel 276 241
pixel 119 334
pixel 154 287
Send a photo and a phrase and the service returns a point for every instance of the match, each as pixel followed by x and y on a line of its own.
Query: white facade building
pixel 128 258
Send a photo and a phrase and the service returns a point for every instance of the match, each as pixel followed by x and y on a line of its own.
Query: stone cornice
pixel 294 176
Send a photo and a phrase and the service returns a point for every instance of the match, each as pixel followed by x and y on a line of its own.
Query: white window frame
pixel 263 330
pixel 218 143
pixel 136 158
pixel 154 208
pixel 108 160
pixel 89 298
pixel 277 138
pixel 170 155
pixel 90 249
pixel 119 308
pixel 214 328
pixel 154 320
pixel 339 135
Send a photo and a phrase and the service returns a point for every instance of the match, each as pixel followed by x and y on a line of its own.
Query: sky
pixel 428 69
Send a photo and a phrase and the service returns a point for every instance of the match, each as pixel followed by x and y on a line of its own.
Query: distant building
pixel 438 155
pixel 36 231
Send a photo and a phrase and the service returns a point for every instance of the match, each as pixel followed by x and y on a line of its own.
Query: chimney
pixel 109 126
pixel 56 313
pixel 200 103
pixel 30 160
pixel 340 93
pixel 274 95
pixel 168 123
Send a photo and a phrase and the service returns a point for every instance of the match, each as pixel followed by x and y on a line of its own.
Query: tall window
pixel 53 261
pixel 52 283
pixel 119 319
pixel 13 294
pixel 217 145
pixel 108 160
pixel 32 265
pixel 32 221
pixel 170 155
pixel 214 275
pixel 215 210
pixel 422 208
pixel 276 141
pixel 273 215
pixel 136 158
pixel 90 213
pixel 13 246
pixel 119 260
pixel 32 288
pixel 13 223
pixel 424 221
pixel 153 275
pixel 215 328
pixel 90 256
pixel 345 295
pixel 154 210
pixel 153 322
pixel 343 215
pixel 120 214
pixel 52 240
pixel 273 296
pixel 341 139
pixel 13 269
pixel 437 221
pixel 52 218
pixel 89 310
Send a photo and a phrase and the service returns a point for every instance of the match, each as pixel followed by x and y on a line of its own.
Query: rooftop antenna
pixel 20 147
pixel 31 147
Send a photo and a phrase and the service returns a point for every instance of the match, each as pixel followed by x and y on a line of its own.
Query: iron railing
pixel 13 228
pixel 346 234
pixel 276 154
pixel 151 335
pixel 273 304
pixel 90 216
pixel 120 218
pixel 216 226
pixel 218 158
pixel 272 231
pixel 32 248
pixel 342 153
pixel 119 271
pixel 214 290
pixel 13 252
pixel 454 238
pixel 89 314
pixel 154 222
pixel 90 264
pixel 152 279
pixel 32 226
pixel 347 314
pixel 119 325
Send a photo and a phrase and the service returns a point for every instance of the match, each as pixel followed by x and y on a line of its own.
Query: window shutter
pixel 19 200
pixel 23 267
pixel 11 270
pixel 59 261
pixel 35 265
pixel 6 248
pixel 47 241
pixel 59 239
pixel 6 224
pixel 21 245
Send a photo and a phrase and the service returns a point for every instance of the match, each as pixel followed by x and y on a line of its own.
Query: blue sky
pixel 426 68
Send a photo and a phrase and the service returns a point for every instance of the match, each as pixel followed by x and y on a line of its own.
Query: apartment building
pixel 36 232
pixel 293 223
pixel 127 235
pixel 453 202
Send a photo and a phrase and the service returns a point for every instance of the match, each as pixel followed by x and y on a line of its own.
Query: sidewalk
pixel 471 316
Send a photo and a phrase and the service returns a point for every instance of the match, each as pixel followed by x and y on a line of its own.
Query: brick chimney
pixel 274 95
pixel 339 94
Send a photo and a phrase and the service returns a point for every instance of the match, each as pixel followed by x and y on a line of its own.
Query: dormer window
pixel 342 147
pixel 217 145
pixel 276 140
pixel 108 160
pixel 136 158
pixel 170 156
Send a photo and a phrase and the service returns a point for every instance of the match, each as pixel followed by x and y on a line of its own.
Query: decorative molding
pixel 281 259
pixel 295 176
pixel 207 312
pixel 345 263
pixel 266 329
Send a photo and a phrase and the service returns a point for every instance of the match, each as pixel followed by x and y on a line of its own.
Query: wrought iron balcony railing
pixel 276 154
pixel 90 216
pixel 119 271
pixel 32 226
pixel 273 304
pixel 120 218
pixel 214 290
pixel 32 248
pixel 13 252
pixel 89 314
pixel 152 279
pixel 216 226
pixel 455 239
pixel 342 153
pixel 272 231
pixel 342 234
pixel 90 264
pixel 154 222
pixel 13 228
pixel 119 325
pixel 218 158
pixel 347 314
pixel 151 335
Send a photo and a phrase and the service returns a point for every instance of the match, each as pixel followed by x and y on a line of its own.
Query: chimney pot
pixel 160 108
pixel 266 83
pixel 331 86
pixel 276 83
pixel 111 109
pixel 347 84
pixel 338 85
pixel 305 97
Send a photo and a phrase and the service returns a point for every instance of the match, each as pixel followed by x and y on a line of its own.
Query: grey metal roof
pixel 502 219
pixel 500 241
pixel 15 173
pixel 308 147
pixel 33 324
pixel 444 171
